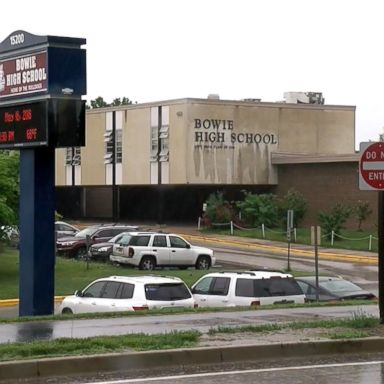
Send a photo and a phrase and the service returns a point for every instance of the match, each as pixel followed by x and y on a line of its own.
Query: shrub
pixel 218 210
pixel 259 209
pixel 335 219
pixel 362 212
pixel 295 201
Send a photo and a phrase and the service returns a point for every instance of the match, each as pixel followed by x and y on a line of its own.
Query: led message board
pixel 24 125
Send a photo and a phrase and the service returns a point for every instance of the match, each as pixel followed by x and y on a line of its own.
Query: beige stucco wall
pixel 136 146
pixel 216 155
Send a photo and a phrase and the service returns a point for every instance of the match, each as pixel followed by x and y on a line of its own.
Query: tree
pixel 9 189
pixel 335 219
pixel 259 209
pixel 99 102
pixel 295 201
pixel 121 101
pixel 218 210
pixel 362 212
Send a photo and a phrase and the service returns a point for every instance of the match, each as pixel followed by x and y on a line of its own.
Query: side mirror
pixel 78 293
pixel 188 246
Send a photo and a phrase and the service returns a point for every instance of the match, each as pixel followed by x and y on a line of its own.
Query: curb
pixel 14 302
pixel 129 361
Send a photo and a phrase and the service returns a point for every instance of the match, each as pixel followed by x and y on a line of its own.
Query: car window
pixel 281 287
pixel 116 231
pixel 124 240
pixel 126 291
pixel 177 242
pixel 141 241
pixel 339 286
pixel 159 241
pixel 306 288
pixel 94 290
pixel 166 292
pixel 106 233
pixel 220 286
pixel 244 288
pixel 202 287
pixel 110 290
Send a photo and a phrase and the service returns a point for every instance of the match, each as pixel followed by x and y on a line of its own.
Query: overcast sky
pixel 152 50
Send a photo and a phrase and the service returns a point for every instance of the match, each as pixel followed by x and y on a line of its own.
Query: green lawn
pixel 72 274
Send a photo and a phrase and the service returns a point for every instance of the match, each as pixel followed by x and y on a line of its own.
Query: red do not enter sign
pixel 371 166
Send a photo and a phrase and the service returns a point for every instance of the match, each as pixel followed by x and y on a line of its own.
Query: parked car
pixel 64 229
pixel 332 288
pixel 76 246
pixel 246 288
pixel 102 251
pixel 129 293
pixel 10 234
pixel 148 250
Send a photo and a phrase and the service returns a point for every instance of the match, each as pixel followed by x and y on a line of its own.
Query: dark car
pixel 332 288
pixel 102 251
pixel 76 246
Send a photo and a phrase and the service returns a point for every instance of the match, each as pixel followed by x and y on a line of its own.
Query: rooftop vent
pixel 304 97
pixel 252 100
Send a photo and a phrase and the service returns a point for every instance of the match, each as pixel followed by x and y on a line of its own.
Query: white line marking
pixel 373 166
pixel 226 373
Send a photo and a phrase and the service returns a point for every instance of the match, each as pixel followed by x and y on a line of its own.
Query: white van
pixel 246 288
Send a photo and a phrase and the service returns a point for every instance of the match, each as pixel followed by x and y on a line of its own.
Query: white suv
pixel 148 250
pixel 129 293
pixel 246 288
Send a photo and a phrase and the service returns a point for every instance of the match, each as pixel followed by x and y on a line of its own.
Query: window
pixel 73 156
pixel 106 233
pixel 166 292
pixel 160 241
pixel 108 139
pixel 177 242
pixel 220 286
pixel 244 288
pixel 110 290
pixel 94 290
pixel 202 287
pixel 124 240
pixel 141 241
pixel 276 287
pixel 126 291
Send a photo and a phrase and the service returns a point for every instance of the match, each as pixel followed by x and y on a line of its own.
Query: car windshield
pixel 87 231
pixel 339 286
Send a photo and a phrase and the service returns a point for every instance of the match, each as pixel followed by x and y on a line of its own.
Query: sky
pixel 153 50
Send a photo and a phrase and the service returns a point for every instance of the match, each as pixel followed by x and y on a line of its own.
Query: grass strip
pixel 98 345
pixel 357 321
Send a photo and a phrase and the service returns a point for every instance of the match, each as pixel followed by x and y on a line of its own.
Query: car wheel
pixel 147 263
pixel 81 253
pixel 67 311
pixel 203 262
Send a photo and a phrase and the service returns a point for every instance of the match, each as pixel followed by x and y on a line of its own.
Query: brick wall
pixel 325 184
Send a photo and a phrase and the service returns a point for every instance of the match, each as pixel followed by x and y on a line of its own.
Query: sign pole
pixel 381 255
pixel 37 231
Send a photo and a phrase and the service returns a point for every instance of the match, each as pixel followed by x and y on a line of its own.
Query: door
pixel 180 251
pixel 212 292
pixel 160 249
